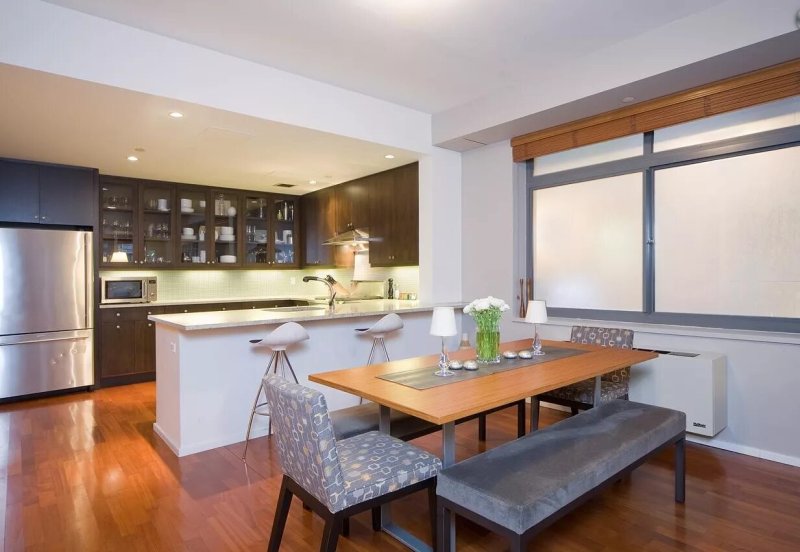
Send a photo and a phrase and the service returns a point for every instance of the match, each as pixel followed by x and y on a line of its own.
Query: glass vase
pixel 487 344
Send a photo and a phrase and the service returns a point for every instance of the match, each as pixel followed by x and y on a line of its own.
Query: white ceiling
pixel 431 55
pixel 51 118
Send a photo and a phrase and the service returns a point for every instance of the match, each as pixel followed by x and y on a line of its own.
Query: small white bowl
pixel 510 354
pixel 226 230
pixel 188 231
pixel 455 365
pixel 525 353
pixel 227 259
pixel 470 365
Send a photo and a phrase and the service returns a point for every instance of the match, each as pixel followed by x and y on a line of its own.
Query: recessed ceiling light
pixel 628 99
pixel 132 158
pixel 284 185
pixel 176 114
pixel 389 156
pixel 312 182
pixel 140 150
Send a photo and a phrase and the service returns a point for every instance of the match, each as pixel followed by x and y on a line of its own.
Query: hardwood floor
pixel 85 472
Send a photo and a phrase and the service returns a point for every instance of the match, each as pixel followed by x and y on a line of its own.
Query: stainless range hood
pixel 351 236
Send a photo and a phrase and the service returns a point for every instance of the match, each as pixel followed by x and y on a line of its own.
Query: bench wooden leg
pixel 432 512
pixel 281 513
pixel 482 427
pixel 346 527
pixel 680 471
pixel 443 516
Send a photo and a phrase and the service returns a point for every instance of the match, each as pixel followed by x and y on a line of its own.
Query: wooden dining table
pixel 459 398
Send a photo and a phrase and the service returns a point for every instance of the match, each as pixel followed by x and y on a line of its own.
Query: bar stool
pixel 282 337
pixel 388 324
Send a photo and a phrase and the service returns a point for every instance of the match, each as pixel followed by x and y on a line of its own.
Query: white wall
pixel 727 26
pixel 45 37
pixel 763 369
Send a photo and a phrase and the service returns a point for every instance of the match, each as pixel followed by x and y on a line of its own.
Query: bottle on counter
pixel 464 342
pixel 390 291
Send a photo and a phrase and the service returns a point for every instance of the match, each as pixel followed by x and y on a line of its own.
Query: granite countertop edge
pixel 178 302
pixel 242 318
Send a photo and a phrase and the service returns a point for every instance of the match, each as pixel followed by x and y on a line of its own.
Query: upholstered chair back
pixel 606 337
pixel 304 435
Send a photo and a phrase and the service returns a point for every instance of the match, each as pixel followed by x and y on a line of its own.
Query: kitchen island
pixel 207 371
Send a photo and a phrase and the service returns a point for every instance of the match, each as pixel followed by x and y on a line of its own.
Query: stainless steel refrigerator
pixel 46 302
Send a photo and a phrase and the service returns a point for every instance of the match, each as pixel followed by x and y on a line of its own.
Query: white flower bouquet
pixel 487 312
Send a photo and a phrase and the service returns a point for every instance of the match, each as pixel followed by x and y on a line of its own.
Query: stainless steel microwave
pixel 128 289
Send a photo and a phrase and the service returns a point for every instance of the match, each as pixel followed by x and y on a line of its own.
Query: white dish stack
pixel 186 206
pixel 226 234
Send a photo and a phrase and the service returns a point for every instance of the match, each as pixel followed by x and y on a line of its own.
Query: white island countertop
pixel 241 318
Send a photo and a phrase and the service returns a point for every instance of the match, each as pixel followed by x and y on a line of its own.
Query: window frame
pixel 648 163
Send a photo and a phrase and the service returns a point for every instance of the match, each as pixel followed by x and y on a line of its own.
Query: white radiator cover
pixel 694 383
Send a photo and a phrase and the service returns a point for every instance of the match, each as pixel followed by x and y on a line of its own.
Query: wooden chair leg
pixel 376 518
pixel 330 534
pixel 281 513
pixel 432 511
pixel 482 427
pixel 346 527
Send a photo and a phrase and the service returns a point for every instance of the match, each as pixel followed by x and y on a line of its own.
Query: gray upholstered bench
pixel 521 487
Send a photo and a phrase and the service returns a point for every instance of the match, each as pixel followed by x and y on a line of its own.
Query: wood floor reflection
pixel 85 472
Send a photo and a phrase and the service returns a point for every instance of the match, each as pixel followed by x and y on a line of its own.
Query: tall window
pixel 701 228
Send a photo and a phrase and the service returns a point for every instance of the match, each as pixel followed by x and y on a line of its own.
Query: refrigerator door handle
pixel 89 257
pixel 43 337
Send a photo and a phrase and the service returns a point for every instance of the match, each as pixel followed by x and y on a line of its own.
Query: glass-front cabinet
pixel 270 228
pixel 165 225
pixel 256 230
pixel 119 223
pixel 283 236
pixel 157 206
pixel 194 227
pixel 226 227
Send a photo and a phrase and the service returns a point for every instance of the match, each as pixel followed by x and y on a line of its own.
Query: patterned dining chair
pixel 338 479
pixel 614 385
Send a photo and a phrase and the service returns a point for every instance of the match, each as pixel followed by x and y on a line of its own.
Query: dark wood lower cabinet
pixel 118 348
pixel 127 339
pixel 145 358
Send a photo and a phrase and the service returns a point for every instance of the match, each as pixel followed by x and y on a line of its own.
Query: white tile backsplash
pixel 179 285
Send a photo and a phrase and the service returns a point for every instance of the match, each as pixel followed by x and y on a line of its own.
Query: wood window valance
pixel 757 87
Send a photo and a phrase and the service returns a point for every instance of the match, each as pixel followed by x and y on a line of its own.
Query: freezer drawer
pixel 35 363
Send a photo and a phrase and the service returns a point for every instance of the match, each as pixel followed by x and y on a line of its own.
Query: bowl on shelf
pixel 227 259
pixel 227 238
pixel 187 210
pixel 187 231
pixel 226 230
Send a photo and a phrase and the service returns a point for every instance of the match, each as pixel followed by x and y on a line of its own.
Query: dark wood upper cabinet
pixel 19 192
pixel 394 217
pixel 319 223
pixel 352 205
pixel 47 194
pixel 385 204
pixel 67 196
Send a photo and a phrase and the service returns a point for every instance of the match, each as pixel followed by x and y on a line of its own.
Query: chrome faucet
pixel 328 281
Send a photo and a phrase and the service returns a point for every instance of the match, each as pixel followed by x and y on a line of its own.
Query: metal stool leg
pixel 272 364
pixel 385 352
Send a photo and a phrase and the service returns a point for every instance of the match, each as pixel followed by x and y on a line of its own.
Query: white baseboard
pixel 194 448
pixel 724 445
pixel 746 450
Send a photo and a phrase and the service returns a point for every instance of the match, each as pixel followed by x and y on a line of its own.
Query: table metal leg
pixel 448 459
pixel 389 527
pixel 597 388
